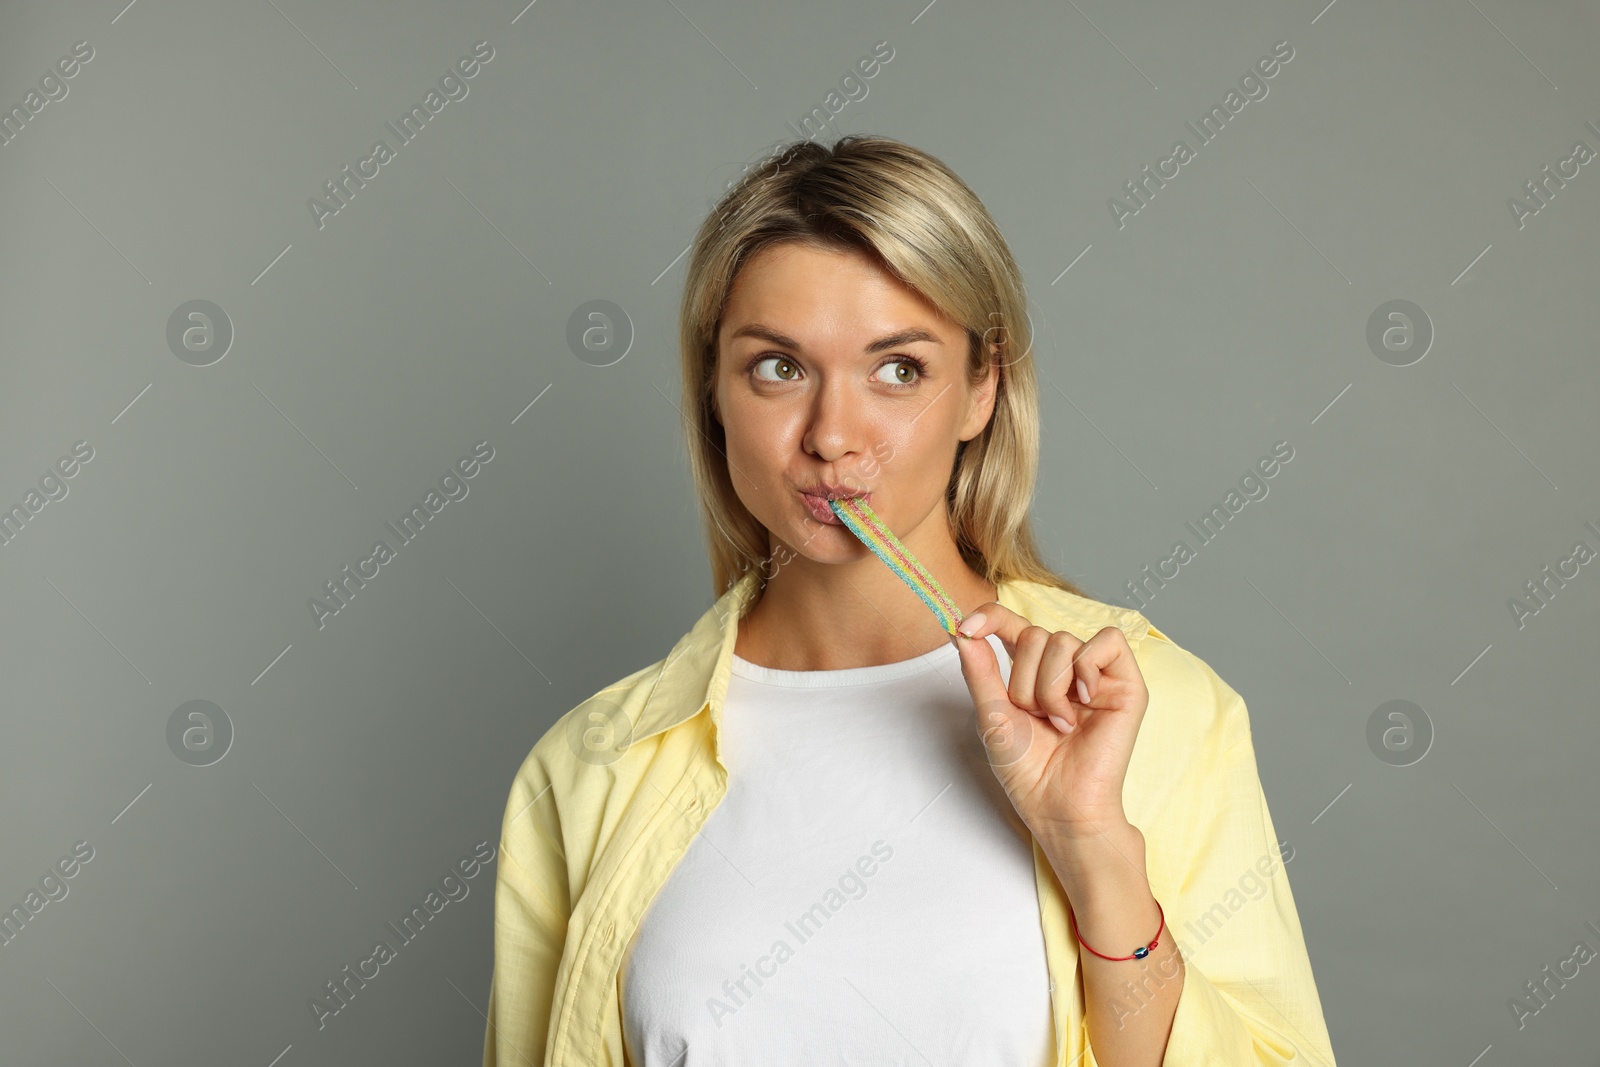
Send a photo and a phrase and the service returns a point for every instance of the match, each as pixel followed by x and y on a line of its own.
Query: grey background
pixel 370 355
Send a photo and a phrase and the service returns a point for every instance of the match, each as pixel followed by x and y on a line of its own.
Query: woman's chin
pixel 815 542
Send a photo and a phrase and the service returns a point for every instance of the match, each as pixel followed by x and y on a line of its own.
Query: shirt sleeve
pixel 531 909
pixel 1248 997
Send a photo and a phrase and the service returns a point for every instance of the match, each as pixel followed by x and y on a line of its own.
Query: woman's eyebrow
pixel 893 340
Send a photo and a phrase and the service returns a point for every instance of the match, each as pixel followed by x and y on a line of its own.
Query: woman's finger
pixel 1052 688
pixel 1105 654
pixel 981 670
pixel 999 620
pixel 1029 647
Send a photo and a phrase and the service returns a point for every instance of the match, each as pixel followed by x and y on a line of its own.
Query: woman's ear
pixel 983 396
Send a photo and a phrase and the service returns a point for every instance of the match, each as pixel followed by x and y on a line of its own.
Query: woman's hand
pixel 1060 736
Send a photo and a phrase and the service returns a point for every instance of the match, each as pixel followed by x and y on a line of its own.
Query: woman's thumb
pixel 1006 730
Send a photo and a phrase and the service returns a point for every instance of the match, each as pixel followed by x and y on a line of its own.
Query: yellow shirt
pixel 610 797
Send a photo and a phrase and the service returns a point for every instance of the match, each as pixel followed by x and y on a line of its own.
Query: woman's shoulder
pixel 563 788
pixel 593 732
pixel 1083 617
pixel 606 738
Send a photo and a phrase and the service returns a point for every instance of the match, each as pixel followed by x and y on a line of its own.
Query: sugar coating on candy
pixel 859 518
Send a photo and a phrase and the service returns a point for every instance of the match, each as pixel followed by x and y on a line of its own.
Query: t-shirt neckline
pixel 878 672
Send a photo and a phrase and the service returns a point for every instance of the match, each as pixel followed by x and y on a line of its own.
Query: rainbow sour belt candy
pixel 860 519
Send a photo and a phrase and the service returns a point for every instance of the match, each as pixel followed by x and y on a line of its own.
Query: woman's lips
pixel 818 506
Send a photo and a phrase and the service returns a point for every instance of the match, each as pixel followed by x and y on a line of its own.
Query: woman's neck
pixel 823 617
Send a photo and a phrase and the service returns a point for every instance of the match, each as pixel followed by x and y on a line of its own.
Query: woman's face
pixel 830 372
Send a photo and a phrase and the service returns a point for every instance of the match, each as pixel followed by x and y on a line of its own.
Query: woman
pixel 821 829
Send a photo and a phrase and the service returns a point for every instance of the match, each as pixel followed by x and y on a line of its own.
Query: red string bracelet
pixel 1139 953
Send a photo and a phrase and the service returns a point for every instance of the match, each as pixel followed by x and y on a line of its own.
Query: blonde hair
pixel 910 213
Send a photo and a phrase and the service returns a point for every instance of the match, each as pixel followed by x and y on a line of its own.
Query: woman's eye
pixel 787 366
pixel 902 371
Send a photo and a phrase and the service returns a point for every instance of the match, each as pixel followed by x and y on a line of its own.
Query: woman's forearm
pixel 1130 1003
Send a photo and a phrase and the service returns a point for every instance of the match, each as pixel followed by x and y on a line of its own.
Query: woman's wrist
pixel 1104 876
pixel 1103 863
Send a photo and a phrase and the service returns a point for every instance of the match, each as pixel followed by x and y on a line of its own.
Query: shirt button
pixel 611 931
pixel 693 805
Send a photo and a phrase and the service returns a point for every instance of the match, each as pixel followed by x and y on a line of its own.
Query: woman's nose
pixel 837 423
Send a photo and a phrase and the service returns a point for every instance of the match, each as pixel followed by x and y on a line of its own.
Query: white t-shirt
pixel 863 894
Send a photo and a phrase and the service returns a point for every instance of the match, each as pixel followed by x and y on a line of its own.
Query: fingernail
pixel 1083 692
pixel 971 624
pixel 1061 724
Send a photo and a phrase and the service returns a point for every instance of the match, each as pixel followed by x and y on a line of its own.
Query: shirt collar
pixel 694 676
